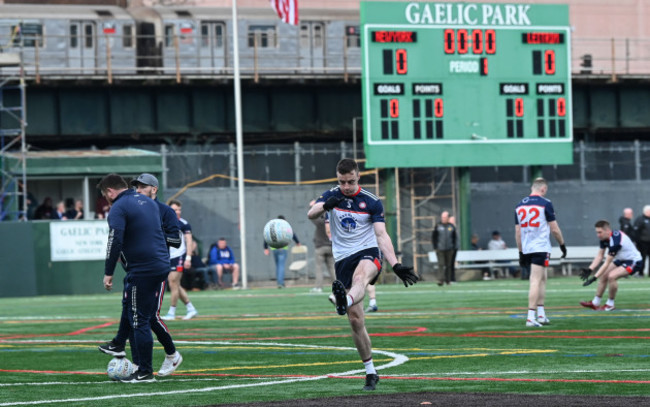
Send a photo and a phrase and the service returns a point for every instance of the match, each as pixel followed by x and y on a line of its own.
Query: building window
pixel 264 35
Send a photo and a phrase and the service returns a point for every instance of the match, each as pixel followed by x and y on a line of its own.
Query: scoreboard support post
pixel 465 213
pixel 390 207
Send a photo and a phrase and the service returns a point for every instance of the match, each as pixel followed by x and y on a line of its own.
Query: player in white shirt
pixel 623 259
pixel 181 259
pixel 534 222
pixel 359 239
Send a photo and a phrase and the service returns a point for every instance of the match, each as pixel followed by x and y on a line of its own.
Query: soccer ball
pixel 278 233
pixel 120 368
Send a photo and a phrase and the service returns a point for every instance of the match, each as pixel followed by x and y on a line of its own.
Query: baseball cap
pixel 146 179
pixel 496 233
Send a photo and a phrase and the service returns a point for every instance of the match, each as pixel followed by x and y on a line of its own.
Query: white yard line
pixel 397 360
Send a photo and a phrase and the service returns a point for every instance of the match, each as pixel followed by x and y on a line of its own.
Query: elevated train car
pixel 68 40
pixel 79 40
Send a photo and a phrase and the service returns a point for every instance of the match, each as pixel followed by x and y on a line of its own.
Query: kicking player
pixel 534 222
pixel 147 185
pixel 359 239
pixel 180 260
pixel 623 259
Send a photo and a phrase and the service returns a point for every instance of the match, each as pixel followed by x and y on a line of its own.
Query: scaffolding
pixel 13 121
pixel 431 190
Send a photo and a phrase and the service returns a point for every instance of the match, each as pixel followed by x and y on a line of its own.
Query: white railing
pixel 188 58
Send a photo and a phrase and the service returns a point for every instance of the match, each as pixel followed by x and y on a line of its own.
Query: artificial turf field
pixel 268 345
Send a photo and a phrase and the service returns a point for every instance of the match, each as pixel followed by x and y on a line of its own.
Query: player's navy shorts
pixel 538 258
pixel 177 263
pixel 630 266
pixel 345 267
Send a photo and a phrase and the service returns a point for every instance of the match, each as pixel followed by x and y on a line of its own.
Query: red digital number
pixel 477 41
pixel 549 62
pixel 484 66
pixel 394 108
pixel 519 107
pixel 462 42
pixel 401 65
pixel 561 107
pixel 524 212
pixel 450 42
pixel 490 42
pixel 438 108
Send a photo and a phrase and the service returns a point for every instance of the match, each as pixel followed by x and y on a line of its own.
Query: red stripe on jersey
pixel 360 213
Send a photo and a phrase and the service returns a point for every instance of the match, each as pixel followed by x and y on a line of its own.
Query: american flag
pixel 287 10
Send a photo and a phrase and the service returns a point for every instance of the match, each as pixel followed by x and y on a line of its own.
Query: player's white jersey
pixel 184 227
pixel 351 222
pixel 532 215
pixel 621 247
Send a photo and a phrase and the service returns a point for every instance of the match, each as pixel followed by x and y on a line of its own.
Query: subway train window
pixel 212 34
pixel 29 34
pixel 304 35
pixel 89 35
pixel 219 30
pixel 74 36
pixel 127 37
pixel 169 35
pixel 352 36
pixel 261 36
pixel 318 35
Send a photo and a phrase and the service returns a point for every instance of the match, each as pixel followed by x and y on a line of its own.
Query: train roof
pixel 64 12
pixel 225 13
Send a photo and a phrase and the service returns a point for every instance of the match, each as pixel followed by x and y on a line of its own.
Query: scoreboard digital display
pixel 466 84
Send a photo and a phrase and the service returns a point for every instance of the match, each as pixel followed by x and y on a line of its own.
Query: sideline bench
pixel 495 259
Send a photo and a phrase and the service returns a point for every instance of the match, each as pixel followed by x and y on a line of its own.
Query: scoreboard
pixel 466 84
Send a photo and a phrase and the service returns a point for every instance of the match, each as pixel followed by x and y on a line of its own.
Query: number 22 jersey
pixel 532 215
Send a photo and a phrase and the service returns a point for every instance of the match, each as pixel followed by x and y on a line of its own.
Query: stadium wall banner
pixel 78 240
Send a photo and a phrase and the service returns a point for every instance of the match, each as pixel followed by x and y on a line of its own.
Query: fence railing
pixel 188 56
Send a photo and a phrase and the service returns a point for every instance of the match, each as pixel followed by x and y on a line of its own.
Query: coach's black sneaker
pixel 338 290
pixel 139 377
pixel 110 348
pixel 371 381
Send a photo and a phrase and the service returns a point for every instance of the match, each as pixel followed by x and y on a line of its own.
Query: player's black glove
pixel 406 274
pixel 522 259
pixel 589 281
pixel 563 248
pixel 332 202
pixel 585 273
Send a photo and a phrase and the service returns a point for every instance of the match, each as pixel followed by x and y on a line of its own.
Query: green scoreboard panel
pixel 466 84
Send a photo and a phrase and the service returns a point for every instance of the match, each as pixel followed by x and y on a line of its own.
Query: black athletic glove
pixel 563 248
pixel 332 202
pixel 585 273
pixel 406 274
pixel 522 259
pixel 589 281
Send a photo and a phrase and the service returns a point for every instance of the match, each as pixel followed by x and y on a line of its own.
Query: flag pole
pixel 239 138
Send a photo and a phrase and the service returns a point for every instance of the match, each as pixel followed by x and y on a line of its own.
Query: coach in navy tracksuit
pixel 137 240
pixel 147 184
